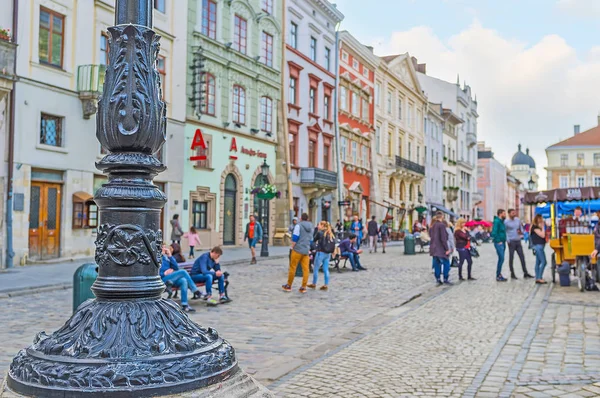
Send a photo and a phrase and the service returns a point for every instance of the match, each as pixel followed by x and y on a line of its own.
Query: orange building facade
pixel 356 113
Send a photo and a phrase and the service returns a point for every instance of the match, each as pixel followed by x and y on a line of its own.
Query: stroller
pixel 422 241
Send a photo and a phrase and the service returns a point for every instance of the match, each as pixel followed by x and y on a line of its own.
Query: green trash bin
pixel 409 244
pixel 83 279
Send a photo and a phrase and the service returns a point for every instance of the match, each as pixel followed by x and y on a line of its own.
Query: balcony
pixel 90 82
pixel 471 140
pixel 409 165
pixel 465 164
pixel 8 52
pixel 320 178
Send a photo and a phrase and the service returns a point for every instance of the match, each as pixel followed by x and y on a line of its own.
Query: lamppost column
pixel 264 249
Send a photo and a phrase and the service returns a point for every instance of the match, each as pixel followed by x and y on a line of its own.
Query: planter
pixel 4 37
pixel 266 196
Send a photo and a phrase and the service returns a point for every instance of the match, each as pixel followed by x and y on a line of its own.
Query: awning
pixel 81 196
pixel 355 187
pixel 436 207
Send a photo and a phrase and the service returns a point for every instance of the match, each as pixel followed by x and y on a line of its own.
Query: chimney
pixel 422 68
pixel 370 48
pixel 415 62
pixel 576 127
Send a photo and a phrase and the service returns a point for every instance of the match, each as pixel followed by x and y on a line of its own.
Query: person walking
pixel 324 241
pixel 514 233
pixel 384 232
pixel 357 229
pixel 301 238
pixel 499 238
pixel 176 231
pixel 463 246
pixel 373 232
pixel 538 241
pixel 439 249
pixel 253 234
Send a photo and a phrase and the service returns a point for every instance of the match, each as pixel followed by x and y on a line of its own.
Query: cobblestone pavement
pixel 481 338
pixel 273 332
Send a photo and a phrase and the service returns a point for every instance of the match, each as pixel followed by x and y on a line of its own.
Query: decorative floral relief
pixel 126 245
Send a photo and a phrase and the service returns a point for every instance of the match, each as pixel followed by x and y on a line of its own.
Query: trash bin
pixel 83 279
pixel 409 244
pixel 564 274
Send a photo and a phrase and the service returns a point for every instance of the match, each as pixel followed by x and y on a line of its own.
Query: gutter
pixel 10 254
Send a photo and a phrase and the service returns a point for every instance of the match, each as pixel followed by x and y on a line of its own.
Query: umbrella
pixel 474 223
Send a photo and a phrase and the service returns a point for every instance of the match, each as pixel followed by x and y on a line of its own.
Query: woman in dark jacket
pixel 176 250
pixel 463 246
pixel 439 250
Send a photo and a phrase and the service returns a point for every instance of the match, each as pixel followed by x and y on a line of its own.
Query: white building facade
pixel 63 53
pixel 433 156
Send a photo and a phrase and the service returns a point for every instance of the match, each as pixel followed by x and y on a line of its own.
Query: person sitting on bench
pixel 348 250
pixel 171 275
pixel 206 269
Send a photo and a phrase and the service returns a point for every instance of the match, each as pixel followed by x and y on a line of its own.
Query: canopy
pixel 436 207
pixel 474 223
pixel 562 208
pixel 562 195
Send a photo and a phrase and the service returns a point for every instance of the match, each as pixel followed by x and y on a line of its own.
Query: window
pixel 343 98
pixel 355 64
pixel 240 34
pixel 564 160
pixel 200 214
pixel 580 159
pixel 344 148
pixel 355 104
pixel 365 157
pixel 162 70
pixel 326 152
pixel 51 38
pixel 327 59
pixel 597 181
pixel 85 211
pixel 436 158
pixel 409 116
pixel 389 102
pixel 365 109
pixel 239 105
pixel 564 182
pixel 51 131
pixel 366 72
pixel 326 108
pixel 597 159
pixel 296 204
pixel 293 92
pixel 378 139
pixel 312 104
pixel 313 49
pixel 344 56
pixel 210 94
pixel 159 5
pixel 92 211
pixel 266 114
pixel 209 18
pixel 206 163
pixel 410 151
pixel 399 108
pixel 390 145
pixel 267 6
pixel 294 35
pixel 354 152
pixel 267 49
pixel 103 48
pixel 418 155
pixel 293 146
pixel 312 152
pixel 377 94
pixel 581 181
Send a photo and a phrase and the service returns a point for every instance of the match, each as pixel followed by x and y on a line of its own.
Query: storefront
pixel 220 171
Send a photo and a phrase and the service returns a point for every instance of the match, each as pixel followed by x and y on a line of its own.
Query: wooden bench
pixel 188 267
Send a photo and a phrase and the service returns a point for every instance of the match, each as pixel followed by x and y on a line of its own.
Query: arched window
pixel 210 94
pixel 239 105
pixel 266 114
pixel 392 188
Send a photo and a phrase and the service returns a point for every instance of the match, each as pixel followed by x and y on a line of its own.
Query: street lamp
pixel 264 249
pixel 420 196
pixel 129 341
pixel 531 184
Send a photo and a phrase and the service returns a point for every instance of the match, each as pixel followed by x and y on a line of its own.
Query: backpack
pixel 328 244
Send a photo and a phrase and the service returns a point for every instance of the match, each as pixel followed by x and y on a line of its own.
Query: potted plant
pixel 267 192
pixel 5 34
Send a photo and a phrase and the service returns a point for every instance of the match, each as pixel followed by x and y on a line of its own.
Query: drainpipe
pixel 336 123
pixel 10 254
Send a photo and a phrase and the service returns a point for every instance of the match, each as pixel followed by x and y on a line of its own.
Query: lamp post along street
pixel 129 341
pixel 264 248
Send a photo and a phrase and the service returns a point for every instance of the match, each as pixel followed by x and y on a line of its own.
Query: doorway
pixel 229 210
pixel 44 221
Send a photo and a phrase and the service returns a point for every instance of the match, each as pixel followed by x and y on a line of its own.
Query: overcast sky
pixel 534 64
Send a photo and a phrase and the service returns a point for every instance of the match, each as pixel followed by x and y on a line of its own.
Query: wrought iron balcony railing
pixel 318 177
pixel 410 165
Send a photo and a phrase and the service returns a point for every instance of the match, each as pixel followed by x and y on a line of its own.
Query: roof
pixel 520 158
pixel 389 58
pixel 589 137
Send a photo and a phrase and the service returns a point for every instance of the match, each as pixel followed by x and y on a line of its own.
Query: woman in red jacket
pixel 463 246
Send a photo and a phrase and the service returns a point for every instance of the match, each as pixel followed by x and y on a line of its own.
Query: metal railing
pixel 90 78
pixel 410 165
pixel 316 176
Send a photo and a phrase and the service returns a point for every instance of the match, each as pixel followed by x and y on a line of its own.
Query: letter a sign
pixel 198 142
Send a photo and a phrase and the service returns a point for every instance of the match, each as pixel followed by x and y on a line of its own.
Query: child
pixel 193 239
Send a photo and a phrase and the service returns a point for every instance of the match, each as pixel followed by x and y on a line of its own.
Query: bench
pixel 337 259
pixel 188 267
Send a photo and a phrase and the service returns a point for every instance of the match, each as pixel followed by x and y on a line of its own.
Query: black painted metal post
pixel 264 249
pixel 128 341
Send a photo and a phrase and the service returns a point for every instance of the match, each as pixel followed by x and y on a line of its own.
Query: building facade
pixel 309 95
pixel 433 155
pixel 449 150
pixel 400 109
pixel 234 91
pixel 356 122
pixel 491 183
pixel 575 162
pixel 64 50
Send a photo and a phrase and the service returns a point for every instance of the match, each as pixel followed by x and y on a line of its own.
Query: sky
pixel 533 64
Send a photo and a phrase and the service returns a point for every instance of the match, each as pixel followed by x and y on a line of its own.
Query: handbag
pixel 474 252
pixel 454 263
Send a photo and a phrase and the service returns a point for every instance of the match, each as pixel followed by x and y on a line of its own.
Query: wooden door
pixel 44 221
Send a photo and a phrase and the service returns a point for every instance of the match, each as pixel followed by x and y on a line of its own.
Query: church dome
pixel 520 158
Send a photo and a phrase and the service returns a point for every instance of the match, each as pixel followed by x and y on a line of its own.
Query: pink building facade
pixel 491 184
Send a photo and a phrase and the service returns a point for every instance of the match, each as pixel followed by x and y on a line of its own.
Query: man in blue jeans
pixel 348 250
pixel 206 269
pixel 499 239
pixel 171 275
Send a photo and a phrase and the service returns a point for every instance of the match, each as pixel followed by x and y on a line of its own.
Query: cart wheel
pixel 596 272
pixel 553 266
pixel 581 271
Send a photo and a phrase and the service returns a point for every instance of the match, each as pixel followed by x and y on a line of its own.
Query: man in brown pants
pixel 301 238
